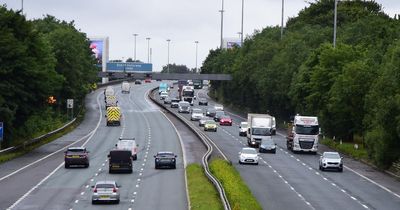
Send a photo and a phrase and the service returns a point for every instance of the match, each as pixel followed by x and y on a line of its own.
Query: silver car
pixel 105 191
pixel 331 160
pixel 197 114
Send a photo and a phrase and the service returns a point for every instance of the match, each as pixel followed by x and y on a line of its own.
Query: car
pixel 184 107
pixel 163 95
pixel 165 159
pixel 120 160
pixel 219 107
pixel 147 80
pixel 267 145
pixel 76 156
pixel 138 82
pixel 106 191
pixel 243 128
pixel 174 105
pixel 331 160
pixel 176 99
pixel 210 125
pixel 203 101
pixel 225 120
pixel 197 114
pixel 248 155
pixel 210 112
pixel 218 115
pixel 167 100
pixel 128 144
pixel 171 86
pixel 203 120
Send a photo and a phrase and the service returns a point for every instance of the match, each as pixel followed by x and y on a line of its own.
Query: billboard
pixel 129 67
pixel 97 47
pixel 229 43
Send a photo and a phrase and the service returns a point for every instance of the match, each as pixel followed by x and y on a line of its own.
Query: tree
pixel 173 68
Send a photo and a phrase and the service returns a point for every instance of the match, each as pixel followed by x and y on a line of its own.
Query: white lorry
pixel 303 134
pixel 125 87
pixel 109 91
pixel 260 126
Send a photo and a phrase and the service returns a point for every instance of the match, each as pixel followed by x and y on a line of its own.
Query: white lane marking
pixel 82 193
pixel 87 186
pixel 76 201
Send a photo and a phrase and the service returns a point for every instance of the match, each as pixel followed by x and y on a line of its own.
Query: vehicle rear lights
pixel 95 190
pixel 114 189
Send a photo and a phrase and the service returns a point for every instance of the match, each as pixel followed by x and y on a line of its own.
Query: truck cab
pixel 303 134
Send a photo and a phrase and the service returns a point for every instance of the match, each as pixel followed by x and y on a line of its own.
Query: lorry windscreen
pixel 261 131
pixel 189 93
pixel 307 130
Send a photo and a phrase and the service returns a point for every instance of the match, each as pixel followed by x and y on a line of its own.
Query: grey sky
pixel 182 21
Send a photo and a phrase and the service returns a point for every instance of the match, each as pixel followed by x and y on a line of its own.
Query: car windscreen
pixel 268 142
pixel 307 130
pixel 219 113
pixel 244 125
pixel 261 131
pixel 197 111
pixel 104 186
pixel 211 122
pixel 211 110
pixel 76 150
pixel 165 155
pixel 332 155
pixel 249 151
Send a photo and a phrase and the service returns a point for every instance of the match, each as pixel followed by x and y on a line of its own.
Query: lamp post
pixel 222 22
pixel 283 12
pixel 148 49
pixel 168 40
pixel 22 7
pixel 134 52
pixel 241 31
pixel 335 25
pixel 197 43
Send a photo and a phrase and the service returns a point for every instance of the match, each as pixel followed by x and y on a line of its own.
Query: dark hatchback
pixel 210 112
pixel 218 115
pixel 76 156
pixel 165 160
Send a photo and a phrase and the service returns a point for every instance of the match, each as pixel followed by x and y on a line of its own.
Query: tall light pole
pixel 148 49
pixel 134 52
pixel 197 43
pixel 222 22
pixel 283 12
pixel 241 31
pixel 335 25
pixel 168 40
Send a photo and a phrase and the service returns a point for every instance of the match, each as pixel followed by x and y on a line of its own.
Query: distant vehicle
pixel 248 155
pixel 113 116
pixel 186 93
pixel 267 145
pixel 184 107
pixel 174 104
pixel 243 128
pixel 109 91
pixel 210 125
pixel 163 87
pixel 106 191
pixel 163 95
pixel 260 127
pixel 171 86
pixel 165 159
pixel 125 87
pixel 167 100
pixel 203 120
pixel 303 134
pixel 218 115
pixel 225 120
pixel 210 112
pixel 120 160
pixel 330 160
pixel 111 100
pixel 198 84
pixel 138 82
pixel 76 156
pixel 128 144
pixel 219 107
pixel 203 101
pixel 197 114
pixel 147 80
pixel 176 99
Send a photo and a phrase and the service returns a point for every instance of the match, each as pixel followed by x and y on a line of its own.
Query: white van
pixel 128 144
pixel 126 87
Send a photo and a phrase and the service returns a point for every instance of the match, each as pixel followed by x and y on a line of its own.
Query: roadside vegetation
pixel 354 88
pixel 43 63
pixel 202 193
pixel 238 193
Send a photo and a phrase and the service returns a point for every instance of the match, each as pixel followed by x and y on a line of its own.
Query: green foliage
pixel 239 195
pixel 203 195
pixel 174 68
pixel 347 148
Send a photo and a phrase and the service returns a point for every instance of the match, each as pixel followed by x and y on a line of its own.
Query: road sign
pixel 129 67
pixel 70 103
pixel 1 131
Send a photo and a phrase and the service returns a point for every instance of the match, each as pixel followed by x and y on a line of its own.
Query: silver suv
pixel 330 160
pixel 105 191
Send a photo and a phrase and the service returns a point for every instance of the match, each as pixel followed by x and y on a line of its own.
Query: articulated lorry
pixel 260 126
pixel 187 94
pixel 303 134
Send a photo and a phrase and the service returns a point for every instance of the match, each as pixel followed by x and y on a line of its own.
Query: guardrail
pixel 208 143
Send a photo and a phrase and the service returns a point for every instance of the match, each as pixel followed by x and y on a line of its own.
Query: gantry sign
pixel 164 76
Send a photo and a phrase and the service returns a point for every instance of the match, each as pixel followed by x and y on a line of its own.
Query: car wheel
pixel 156 166
pixel 117 201
pixel 87 165
pixel 134 157
pixel 274 151
pixel 215 130
pixel 174 166
pixel 240 162
pixel 340 169
pixel 257 163
pixel 321 168
pixel 66 166
pixel 93 202
pixel 108 124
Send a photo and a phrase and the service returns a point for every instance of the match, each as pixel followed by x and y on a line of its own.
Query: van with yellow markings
pixel 113 116
pixel 111 101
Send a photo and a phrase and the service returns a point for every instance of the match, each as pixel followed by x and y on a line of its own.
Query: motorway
pixel 292 181
pixel 39 180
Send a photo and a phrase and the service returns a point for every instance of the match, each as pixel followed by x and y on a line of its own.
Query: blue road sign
pixel 1 131
pixel 129 67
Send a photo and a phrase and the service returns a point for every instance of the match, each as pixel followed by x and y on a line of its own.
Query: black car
pixel 176 99
pixel 76 156
pixel 210 112
pixel 165 159
pixel 203 101
pixel 138 82
pixel 218 115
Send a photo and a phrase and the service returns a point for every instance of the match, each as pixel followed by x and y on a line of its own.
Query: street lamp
pixel 222 22
pixel 168 40
pixel 241 31
pixel 283 11
pixel 148 49
pixel 197 43
pixel 134 56
pixel 335 25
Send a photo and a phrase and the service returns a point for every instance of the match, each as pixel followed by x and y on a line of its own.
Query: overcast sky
pixel 182 21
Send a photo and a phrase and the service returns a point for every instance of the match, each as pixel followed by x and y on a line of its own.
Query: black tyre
pixel 134 157
pixel 340 169
pixel 274 151
pixel 87 165
pixel 117 201
pixel 66 166
pixel 93 202
pixel 257 163
pixel 240 162
pixel 174 166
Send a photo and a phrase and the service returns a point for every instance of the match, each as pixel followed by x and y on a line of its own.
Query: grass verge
pixel 347 148
pixel 202 193
pixel 239 195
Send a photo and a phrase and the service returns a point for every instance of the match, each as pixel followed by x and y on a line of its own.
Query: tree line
pixel 353 88
pixel 39 59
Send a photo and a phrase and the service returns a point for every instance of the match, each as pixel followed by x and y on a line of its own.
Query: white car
pixel 243 128
pixel 163 95
pixel 330 160
pixel 128 144
pixel 219 107
pixel 197 114
pixel 248 155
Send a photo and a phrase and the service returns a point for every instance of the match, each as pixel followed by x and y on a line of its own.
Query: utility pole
pixel 148 49
pixel 222 23
pixel 197 43
pixel 241 31
pixel 283 12
pixel 168 40
pixel 134 56
pixel 335 25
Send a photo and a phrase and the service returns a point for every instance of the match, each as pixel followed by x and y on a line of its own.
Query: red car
pixel 225 120
pixel 147 80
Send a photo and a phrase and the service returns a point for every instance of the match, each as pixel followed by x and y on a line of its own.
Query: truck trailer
pixel 260 126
